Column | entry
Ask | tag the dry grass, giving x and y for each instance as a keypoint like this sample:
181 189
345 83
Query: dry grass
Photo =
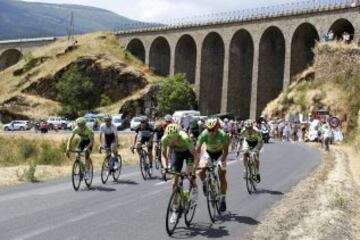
12 175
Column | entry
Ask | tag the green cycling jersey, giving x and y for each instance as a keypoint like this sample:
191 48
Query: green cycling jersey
180 142
213 144
85 133
252 137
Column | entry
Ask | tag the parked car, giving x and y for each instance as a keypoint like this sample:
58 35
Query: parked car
57 122
18 125
92 123
135 122
118 121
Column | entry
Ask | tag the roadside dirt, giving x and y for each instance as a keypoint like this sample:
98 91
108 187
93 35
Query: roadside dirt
323 206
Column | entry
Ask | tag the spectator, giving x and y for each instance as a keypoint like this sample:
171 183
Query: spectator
330 36
346 37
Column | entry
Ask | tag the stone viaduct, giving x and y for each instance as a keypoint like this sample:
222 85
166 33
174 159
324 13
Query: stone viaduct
239 65
12 50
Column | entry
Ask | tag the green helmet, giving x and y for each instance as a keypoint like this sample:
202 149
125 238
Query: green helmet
212 123
81 122
248 123
172 129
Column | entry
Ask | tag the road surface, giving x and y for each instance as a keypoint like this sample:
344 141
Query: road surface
135 209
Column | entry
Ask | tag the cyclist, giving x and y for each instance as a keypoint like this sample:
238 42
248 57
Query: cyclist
181 143
251 140
217 146
108 135
144 134
195 129
86 143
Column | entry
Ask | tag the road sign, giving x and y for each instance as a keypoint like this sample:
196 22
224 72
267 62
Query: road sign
334 122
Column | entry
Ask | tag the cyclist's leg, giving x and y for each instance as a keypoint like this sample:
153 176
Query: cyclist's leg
150 152
177 167
138 147
190 165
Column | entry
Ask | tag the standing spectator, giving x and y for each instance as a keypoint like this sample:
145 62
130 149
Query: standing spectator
330 36
346 37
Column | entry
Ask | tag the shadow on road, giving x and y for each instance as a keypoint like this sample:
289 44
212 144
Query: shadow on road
240 219
102 189
126 182
266 191
201 229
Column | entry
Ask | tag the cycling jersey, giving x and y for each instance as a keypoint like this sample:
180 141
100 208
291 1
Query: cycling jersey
181 144
109 133
251 138
145 133
213 144
85 133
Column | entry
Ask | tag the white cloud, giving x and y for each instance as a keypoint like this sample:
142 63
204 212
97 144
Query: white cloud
155 10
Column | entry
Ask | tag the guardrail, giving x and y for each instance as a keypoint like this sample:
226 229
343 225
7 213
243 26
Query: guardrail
288 9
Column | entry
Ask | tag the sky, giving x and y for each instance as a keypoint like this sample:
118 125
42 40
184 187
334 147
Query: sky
162 10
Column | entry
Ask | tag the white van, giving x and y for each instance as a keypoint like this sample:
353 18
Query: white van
180 114
118 121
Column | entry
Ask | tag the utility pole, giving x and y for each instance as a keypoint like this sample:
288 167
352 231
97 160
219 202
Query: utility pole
71 28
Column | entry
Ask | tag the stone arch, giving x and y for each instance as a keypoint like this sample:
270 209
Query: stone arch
240 74
302 44
185 57
160 56
211 73
340 26
271 67
9 57
136 48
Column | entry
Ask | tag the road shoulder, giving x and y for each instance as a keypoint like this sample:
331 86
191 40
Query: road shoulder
321 206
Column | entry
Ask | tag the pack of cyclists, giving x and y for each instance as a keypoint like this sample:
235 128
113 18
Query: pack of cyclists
198 146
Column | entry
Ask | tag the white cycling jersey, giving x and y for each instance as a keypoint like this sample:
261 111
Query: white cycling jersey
108 130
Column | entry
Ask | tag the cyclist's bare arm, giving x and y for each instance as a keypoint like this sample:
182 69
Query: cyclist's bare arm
165 159
197 152
116 138
225 152
135 140
101 137
69 141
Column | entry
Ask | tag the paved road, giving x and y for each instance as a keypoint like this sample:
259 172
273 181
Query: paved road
135 209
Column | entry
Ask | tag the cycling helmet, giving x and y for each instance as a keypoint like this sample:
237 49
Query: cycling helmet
172 129
248 123
212 123
144 120
107 118
81 122
168 118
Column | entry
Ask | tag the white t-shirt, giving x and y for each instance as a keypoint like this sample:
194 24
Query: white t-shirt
108 130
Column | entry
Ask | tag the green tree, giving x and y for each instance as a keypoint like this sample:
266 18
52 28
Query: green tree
76 93
175 94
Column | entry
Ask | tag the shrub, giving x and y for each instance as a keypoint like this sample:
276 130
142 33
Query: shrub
27 149
76 93
104 100
29 173
50 155
175 94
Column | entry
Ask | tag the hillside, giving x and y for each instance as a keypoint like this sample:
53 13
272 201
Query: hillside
332 83
28 89
20 19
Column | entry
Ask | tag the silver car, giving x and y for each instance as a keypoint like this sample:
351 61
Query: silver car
20 125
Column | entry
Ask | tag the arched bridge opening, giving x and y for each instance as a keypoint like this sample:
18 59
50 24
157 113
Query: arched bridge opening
271 67
136 48
340 26
302 44
9 58
185 57
240 74
211 74
160 56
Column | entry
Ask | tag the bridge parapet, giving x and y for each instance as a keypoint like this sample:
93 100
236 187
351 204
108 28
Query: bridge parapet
245 15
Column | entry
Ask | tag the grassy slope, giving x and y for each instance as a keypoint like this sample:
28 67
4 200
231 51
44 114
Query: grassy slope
334 85
89 45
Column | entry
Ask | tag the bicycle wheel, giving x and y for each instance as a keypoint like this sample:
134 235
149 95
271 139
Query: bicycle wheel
105 170
143 166
249 179
174 206
158 159
190 208
116 173
76 175
212 199
91 173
